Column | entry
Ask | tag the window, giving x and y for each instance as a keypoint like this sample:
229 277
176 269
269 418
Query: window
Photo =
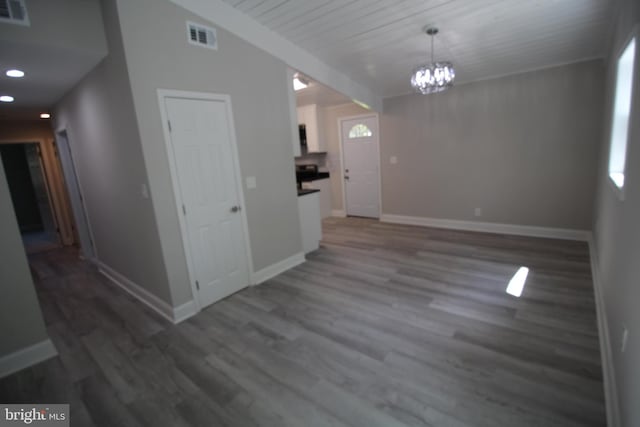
621 115
360 131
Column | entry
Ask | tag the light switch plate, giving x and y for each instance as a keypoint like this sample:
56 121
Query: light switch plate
393 160
251 182
144 190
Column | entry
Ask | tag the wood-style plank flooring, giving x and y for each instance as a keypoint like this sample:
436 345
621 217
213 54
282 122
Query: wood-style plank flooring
384 325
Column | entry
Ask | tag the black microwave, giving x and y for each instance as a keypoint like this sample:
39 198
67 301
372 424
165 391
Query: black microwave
303 135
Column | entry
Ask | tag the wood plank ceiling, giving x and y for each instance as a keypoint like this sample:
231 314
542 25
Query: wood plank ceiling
379 42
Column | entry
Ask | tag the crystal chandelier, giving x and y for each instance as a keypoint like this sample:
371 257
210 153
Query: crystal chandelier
434 77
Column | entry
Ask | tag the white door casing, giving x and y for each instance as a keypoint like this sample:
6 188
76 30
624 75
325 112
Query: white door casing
74 190
361 166
205 173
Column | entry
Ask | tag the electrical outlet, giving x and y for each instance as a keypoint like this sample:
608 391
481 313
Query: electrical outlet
393 160
625 338
477 211
144 190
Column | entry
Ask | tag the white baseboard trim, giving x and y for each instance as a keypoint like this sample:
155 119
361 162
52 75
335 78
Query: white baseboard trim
185 311
277 268
144 296
489 227
608 373
27 357
174 315
340 213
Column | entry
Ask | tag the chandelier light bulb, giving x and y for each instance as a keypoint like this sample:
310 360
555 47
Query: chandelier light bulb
434 77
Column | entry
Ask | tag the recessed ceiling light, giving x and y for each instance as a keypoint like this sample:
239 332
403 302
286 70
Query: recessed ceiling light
6 98
15 73
45 115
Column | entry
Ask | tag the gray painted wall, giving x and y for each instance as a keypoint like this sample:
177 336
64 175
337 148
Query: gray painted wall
617 232
58 25
63 42
523 148
158 56
100 120
21 323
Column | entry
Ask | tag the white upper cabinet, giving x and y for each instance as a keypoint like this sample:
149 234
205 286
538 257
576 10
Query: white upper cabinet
311 117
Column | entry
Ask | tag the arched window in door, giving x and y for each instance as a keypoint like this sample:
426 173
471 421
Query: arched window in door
360 131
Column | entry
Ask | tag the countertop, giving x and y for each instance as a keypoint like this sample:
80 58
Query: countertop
319 175
305 191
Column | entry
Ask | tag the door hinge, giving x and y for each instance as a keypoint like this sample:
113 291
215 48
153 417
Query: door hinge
169 123
184 210
197 285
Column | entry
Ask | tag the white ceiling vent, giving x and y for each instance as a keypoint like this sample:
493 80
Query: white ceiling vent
200 35
14 11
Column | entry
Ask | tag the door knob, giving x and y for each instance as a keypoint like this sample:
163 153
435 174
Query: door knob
235 209
346 177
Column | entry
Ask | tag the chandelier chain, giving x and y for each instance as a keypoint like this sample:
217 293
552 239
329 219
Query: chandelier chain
432 37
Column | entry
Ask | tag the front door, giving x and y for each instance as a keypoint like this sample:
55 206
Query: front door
361 166
204 154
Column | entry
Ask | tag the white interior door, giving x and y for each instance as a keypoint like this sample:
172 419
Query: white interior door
205 170
361 166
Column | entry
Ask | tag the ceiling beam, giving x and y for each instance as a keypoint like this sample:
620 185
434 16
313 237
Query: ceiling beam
243 26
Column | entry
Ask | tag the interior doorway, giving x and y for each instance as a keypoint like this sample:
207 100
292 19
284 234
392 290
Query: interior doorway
76 200
31 195
361 165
